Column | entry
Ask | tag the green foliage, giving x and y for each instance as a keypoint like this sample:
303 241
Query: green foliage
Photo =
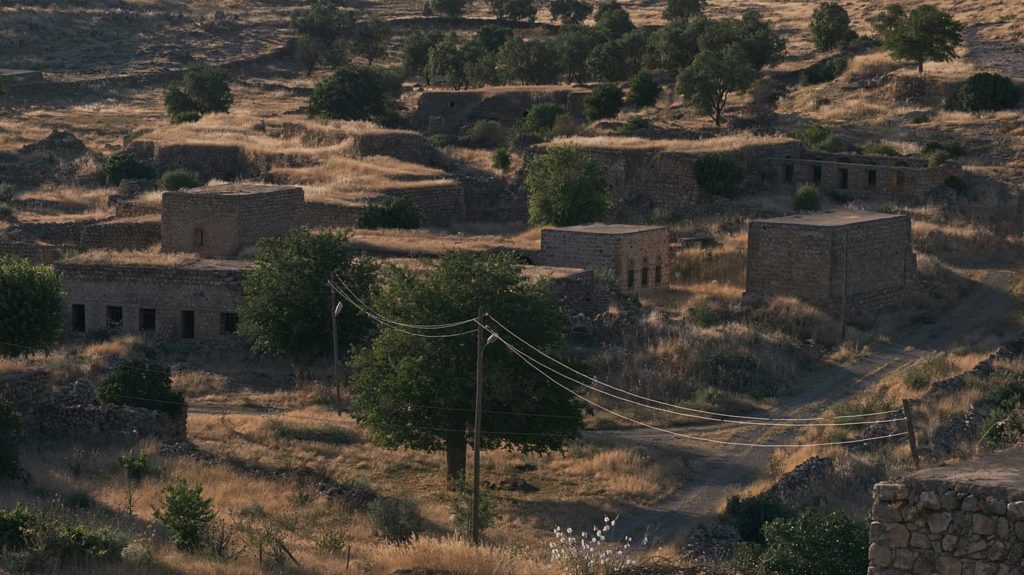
824 71
515 10
501 160
674 46
608 62
447 59
488 134
570 11
612 20
30 305
925 34
18 527
987 91
10 427
816 136
187 514
450 8
718 175
879 149
566 187
287 306
395 519
399 381
807 198
603 101
953 148
938 158
1003 428
830 26
528 62
811 543
461 508
141 383
4 86
958 184
635 124
124 166
643 90
178 179
395 213
749 515
491 37
135 464
1006 394
574 45
540 120
370 39
323 31
684 9
203 90
712 77
416 53
6 192
357 93
759 45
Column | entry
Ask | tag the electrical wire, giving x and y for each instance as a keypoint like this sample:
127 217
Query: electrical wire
350 295
408 328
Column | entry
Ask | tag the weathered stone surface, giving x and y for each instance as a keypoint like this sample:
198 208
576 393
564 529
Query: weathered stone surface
939 522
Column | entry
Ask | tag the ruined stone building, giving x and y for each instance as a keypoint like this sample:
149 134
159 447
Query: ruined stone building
963 519
450 111
635 257
859 260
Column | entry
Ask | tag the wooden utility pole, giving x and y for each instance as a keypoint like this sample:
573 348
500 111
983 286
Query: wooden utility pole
334 338
911 436
481 343
846 281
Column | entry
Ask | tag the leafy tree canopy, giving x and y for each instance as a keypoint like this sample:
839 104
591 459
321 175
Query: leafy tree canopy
515 10
419 393
684 9
574 45
416 53
145 384
714 75
30 305
925 34
357 93
202 90
370 39
812 543
643 90
567 187
830 26
674 45
450 8
528 62
570 11
446 59
612 20
760 44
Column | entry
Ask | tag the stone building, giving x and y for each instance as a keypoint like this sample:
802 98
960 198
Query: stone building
221 221
635 257
220 161
857 259
963 519
452 111
157 298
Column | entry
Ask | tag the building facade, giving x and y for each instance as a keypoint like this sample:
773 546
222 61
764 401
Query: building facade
635 257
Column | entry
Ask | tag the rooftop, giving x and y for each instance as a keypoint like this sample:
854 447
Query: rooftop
238 189
1002 470
152 259
832 219
608 229
728 143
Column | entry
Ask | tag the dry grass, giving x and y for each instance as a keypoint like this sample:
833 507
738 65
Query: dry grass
869 66
707 145
198 383
616 473
76 197
454 556
152 258
426 243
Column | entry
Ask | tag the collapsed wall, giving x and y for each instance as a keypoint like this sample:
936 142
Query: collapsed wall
211 161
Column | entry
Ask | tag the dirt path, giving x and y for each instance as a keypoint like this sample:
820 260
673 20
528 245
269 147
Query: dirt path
717 472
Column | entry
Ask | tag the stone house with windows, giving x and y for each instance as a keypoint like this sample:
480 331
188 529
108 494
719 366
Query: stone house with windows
635 257
863 176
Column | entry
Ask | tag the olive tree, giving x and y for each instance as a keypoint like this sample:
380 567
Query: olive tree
30 305
566 187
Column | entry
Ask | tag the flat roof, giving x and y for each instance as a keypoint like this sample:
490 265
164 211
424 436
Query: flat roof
834 218
154 260
238 189
608 229
1004 470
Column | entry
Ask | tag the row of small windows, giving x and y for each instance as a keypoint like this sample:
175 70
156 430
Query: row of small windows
147 320
644 276
844 177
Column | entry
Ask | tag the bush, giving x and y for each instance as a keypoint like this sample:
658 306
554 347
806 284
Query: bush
635 124
807 198
824 71
958 184
185 117
1003 428
77 543
462 512
603 101
814 136
135 464
17 526
396 213
144 384
30 307
501 160
540 120
718 175
124 166
830 26
178 179
566 187
938 158
751 514
10 427
395 519
187 514
880 150
6 192
985 92
357 93
812 543
643 90
203 90
953 148
485 134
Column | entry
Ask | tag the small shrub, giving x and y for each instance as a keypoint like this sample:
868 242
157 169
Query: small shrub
1007 394
485 134
10 427
395 519
185 117
643 90
880 149
814 136
635 124
135 464
6 212
807 198
603 101
187 514
953 148
566 187
17 527
825 71
750 514
390 212
988 92
540 120
939 158
834 145
812 543
462 512
142 384
6 192
718 175
1003 428
179 179
501 160
124 166
77 500
920 118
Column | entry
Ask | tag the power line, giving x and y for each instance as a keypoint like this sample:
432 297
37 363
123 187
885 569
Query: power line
403 327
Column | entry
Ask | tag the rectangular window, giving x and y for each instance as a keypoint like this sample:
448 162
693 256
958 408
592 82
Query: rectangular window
901 179
188 325
643 277
787 176
630 278
816 176
147 319
228 323
844 178
657 275
78 317
872 179
115 315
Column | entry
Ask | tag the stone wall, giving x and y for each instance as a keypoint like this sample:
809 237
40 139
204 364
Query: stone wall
635 259
451 112
966 519
223 162
439 206
578 289
31 251
867 177
870 264
138 233
210 289
326 215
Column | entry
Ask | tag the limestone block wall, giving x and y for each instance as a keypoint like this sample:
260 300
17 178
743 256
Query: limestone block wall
223 162
578 290
626 258
207 289
325 215
33 252
452 111
138 233
946 527
439 206
868 177
130 209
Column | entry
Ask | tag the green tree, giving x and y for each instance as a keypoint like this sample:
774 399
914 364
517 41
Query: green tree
480 65
515 10
202 90
986 91
419 393
570 11
534 62
684 9
718 175
603 101
492 38
807 198
830 26
416 53
674 45
123 166
608 62
322 31
760 44
574 45
501 159
707 83
30 305
396 213
811 543
612 21
370 39
450 8
286 310
925 34
357 93
10 429
567 187
446 59
643 90
187 514
141 383
540 120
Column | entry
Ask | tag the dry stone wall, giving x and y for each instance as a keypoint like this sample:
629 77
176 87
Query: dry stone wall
223 162
579 289
139 233
452 111
867 177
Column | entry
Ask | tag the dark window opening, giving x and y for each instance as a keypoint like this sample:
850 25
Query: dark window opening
451 104
228 323
115 315
872 178
643 277
901 178
78 317
788 175
657 274
630 278
188 324
817 174
197 238
147 319
844 178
